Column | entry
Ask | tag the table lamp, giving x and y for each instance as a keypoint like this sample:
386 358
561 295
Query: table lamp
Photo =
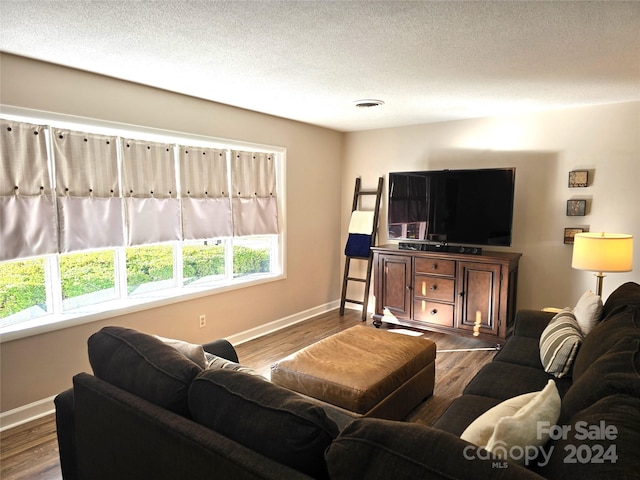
602 252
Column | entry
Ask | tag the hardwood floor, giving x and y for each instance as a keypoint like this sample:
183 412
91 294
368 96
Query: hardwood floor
30 451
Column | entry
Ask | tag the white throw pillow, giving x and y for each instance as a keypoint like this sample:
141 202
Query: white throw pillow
514 423
193 352
481 430
588 311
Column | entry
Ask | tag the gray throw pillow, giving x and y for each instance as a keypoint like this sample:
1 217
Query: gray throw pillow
192 351
559 343
214 361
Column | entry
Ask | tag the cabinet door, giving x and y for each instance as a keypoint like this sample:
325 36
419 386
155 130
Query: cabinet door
395 287
479 291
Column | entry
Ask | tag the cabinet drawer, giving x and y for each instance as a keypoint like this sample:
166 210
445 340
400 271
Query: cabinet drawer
433 312
434 288
435 266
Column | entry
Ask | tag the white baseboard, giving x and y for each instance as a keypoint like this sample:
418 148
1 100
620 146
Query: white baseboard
281 323
35 410
26 413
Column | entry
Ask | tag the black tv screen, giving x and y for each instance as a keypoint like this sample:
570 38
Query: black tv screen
468 207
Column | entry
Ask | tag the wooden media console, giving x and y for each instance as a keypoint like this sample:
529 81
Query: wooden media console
473 295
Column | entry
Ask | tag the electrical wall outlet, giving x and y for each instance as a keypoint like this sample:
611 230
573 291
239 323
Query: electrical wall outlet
203 321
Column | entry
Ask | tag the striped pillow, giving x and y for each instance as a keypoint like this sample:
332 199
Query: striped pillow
559 343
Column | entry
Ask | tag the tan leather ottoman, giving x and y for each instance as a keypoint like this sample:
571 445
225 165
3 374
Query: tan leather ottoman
369 372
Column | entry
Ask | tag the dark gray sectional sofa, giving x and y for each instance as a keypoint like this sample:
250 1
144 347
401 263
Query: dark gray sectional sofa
149 412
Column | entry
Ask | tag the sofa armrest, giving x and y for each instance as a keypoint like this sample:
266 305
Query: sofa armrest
531 323
221 348
378 449
66 432
122 436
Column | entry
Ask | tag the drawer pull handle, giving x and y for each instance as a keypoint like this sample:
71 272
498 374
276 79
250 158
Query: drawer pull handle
434 287
434 266
434 311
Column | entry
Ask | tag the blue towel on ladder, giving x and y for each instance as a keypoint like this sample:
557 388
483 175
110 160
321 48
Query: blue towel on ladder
360 233
358 245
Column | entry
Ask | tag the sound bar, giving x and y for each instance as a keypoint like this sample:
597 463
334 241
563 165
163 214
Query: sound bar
438 247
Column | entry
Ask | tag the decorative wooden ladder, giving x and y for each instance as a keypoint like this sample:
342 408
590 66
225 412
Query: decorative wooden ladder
358 193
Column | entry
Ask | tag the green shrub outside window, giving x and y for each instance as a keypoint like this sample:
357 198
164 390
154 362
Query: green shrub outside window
202 262
88 278
247 261
22 286
149 265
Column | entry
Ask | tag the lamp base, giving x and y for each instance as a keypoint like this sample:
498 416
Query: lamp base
599 278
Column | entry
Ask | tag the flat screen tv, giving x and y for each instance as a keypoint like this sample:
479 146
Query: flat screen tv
466 207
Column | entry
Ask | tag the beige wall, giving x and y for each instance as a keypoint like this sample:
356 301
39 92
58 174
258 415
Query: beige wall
40 366
321 168
543 147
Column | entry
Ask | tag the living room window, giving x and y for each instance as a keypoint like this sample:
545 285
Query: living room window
98 217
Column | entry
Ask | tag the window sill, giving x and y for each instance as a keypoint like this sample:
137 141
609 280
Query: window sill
115 308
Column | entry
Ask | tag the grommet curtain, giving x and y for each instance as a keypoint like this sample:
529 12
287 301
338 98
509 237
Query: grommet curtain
87 190
27 213
150 191
206 203
253 183
63 190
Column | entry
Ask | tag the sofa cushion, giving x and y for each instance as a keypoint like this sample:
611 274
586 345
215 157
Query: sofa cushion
375 449
559 343
623 322
142 365
269 419
625 294
601 442
531 323
521 351
462 411
502 380
617 371
514 422
588 311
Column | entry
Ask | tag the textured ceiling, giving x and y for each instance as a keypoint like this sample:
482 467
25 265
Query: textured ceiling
429 61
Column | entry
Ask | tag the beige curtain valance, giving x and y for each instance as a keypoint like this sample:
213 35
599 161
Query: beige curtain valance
86 164
63 190
24 166
253 184
148 169
27 213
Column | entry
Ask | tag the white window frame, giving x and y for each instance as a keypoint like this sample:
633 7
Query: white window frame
125 304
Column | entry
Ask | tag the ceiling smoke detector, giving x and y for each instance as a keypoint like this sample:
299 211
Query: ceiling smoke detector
368 103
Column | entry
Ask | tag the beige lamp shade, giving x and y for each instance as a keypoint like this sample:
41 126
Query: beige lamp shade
603 252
